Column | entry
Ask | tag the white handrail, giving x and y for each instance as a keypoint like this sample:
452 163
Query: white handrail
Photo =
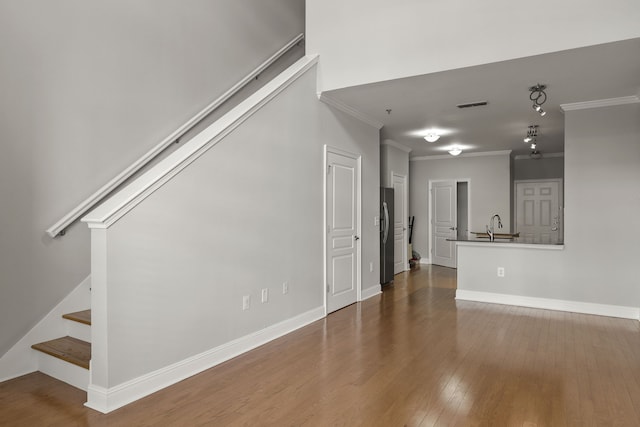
59 227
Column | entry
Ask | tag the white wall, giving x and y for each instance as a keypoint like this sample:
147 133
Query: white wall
602 226
376 40
489 184
392 160
246 215
87 87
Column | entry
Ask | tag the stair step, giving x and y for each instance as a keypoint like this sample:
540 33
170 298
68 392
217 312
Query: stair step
79 316
69 349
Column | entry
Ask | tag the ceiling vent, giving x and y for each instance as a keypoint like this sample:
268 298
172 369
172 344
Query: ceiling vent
472 104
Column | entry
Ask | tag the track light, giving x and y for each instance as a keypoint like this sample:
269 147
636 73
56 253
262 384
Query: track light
539 109
539 97
533 146
532 133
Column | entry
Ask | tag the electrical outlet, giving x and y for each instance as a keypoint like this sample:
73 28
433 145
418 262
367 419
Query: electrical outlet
265 295
500 271
376 220
371 267
246 302
285 288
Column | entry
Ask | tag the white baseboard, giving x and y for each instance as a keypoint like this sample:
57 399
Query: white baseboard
425 260
106 400
551 304
370 292
21 358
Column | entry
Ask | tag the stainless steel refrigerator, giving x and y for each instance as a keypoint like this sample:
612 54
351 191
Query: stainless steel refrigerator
386 235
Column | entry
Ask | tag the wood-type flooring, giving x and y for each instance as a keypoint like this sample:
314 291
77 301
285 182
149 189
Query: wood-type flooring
413 356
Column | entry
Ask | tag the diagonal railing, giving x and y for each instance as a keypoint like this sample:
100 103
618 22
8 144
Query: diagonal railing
58 229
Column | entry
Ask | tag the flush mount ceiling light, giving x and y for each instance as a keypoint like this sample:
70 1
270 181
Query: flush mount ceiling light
455 151
539 97
432 137
532 133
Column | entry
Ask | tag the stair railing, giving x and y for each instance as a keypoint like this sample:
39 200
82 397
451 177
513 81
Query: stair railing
59 228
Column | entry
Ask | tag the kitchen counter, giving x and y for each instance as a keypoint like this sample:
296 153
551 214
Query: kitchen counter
516 242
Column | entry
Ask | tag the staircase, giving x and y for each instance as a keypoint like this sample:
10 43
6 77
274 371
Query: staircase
67 358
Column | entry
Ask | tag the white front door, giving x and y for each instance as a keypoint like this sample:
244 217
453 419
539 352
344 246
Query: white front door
342 217
443 226
539 211
399 223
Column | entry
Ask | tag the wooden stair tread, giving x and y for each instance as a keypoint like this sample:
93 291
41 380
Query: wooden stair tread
79 316
69 349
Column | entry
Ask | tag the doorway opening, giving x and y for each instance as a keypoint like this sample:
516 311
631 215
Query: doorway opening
449 218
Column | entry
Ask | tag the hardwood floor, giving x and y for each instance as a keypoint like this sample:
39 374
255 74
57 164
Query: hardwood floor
412 356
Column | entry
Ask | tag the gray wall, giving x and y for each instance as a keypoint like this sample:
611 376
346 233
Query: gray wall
545 168
87 87
395 160
602 225
246 215
489 184
602 177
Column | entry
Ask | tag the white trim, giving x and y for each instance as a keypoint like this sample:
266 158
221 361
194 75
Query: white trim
392 143
114 208
551 304
106 400
544 156
424 260
371 292
447 156
623 100
106 189
21 359
349 110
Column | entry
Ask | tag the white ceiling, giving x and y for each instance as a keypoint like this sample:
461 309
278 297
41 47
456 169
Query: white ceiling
429 101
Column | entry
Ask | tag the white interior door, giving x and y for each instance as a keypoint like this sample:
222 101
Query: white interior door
539 211
342 217
399 223
443 223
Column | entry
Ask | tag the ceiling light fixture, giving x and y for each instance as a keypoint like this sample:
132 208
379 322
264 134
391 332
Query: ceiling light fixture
535 155
533 146
539 97
455 151
532 133
432 137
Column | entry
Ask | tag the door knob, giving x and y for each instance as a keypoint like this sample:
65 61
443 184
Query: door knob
356 238
452 228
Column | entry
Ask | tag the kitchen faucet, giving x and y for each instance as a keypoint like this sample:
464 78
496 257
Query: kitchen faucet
490 231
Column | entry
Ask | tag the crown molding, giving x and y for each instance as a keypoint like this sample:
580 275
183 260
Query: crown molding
623 100
392 143
349 110
448 156
544 156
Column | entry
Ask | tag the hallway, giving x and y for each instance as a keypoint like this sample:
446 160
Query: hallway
412 356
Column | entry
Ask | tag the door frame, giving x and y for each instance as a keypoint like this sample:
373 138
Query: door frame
358 158
430 213
559 181
405 226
